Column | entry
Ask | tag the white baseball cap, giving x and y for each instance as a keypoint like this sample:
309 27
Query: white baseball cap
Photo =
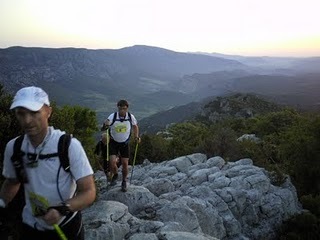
32 98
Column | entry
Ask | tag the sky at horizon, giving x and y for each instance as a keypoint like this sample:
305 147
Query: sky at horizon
241 27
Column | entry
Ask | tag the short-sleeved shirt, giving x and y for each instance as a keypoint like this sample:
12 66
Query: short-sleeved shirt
47 176
120 130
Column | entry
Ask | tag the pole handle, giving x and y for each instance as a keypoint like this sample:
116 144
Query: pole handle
60 232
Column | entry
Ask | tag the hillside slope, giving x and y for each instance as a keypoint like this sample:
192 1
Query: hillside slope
211 109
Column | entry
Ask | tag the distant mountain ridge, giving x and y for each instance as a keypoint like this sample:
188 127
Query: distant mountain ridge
98 78
297 65
154 79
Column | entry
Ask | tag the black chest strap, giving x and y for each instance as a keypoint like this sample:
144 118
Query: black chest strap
18 154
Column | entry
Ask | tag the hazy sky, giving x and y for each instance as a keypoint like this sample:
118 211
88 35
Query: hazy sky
245 27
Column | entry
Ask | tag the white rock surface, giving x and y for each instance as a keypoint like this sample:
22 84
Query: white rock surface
192 198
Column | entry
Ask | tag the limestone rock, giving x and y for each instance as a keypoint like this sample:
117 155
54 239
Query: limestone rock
192 197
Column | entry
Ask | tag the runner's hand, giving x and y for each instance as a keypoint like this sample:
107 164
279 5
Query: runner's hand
53 216
137 139
104 127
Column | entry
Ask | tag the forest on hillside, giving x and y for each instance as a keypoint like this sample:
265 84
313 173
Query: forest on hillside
288 145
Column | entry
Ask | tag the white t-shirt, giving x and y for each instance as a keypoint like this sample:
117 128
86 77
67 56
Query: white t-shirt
120 130
41 189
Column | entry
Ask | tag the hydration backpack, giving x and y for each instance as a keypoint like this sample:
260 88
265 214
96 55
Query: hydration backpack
121 120
17 156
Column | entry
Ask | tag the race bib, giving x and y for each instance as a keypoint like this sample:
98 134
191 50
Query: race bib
121 128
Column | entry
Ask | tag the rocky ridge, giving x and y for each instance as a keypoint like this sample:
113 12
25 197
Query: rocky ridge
189 198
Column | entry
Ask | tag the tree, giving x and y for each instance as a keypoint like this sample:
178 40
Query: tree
79 121
8 123
275 122
186 138
145 149
222 142
63 117
300 148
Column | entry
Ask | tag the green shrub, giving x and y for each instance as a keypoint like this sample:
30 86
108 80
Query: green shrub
312 203
305 226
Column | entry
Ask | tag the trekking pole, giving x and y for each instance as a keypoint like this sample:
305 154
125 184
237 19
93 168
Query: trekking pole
134 160
108 158
108 139
60 232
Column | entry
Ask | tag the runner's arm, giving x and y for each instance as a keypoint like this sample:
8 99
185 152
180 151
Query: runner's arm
135 131
9 189
86 194
105 125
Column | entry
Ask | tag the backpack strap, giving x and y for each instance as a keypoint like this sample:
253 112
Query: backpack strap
17 160
113 119
130 119
63 151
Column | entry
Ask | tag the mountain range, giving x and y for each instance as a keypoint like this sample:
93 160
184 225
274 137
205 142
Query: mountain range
154 79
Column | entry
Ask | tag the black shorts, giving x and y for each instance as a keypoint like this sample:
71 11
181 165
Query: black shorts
121 149
73 230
